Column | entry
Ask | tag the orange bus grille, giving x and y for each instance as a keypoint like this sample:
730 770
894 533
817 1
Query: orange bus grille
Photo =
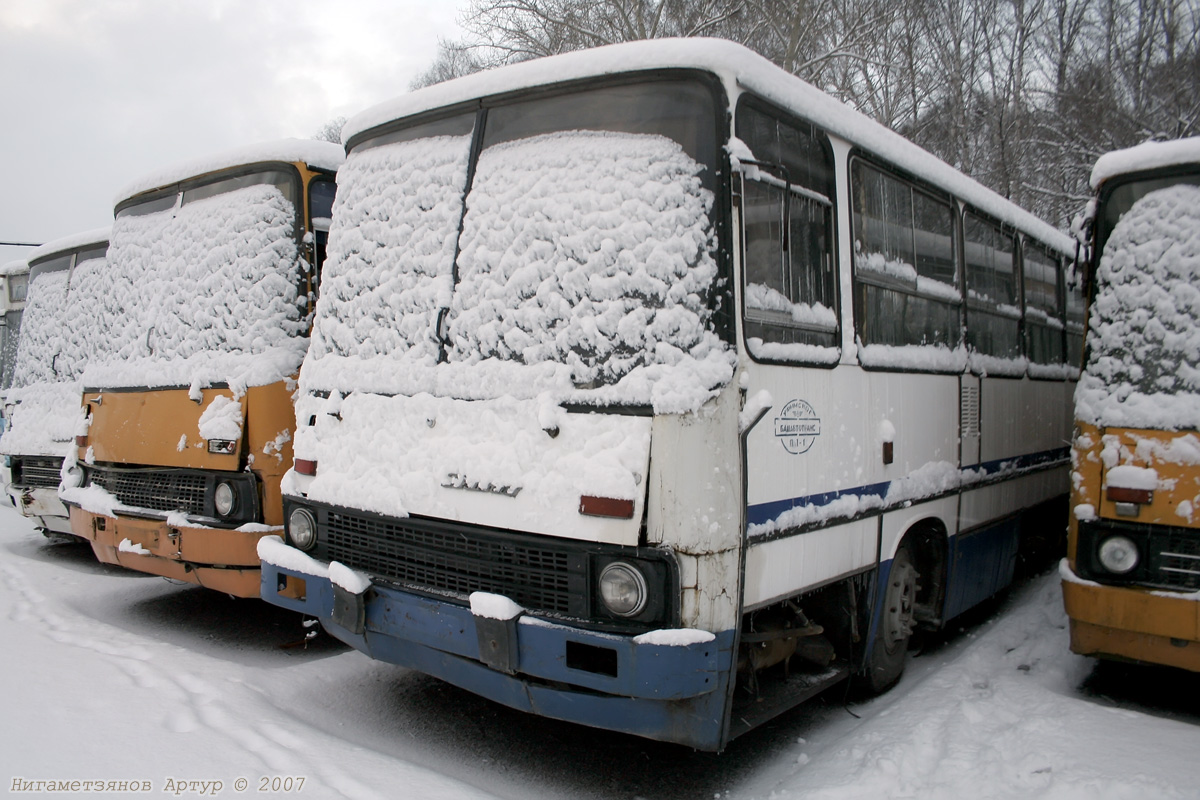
154 490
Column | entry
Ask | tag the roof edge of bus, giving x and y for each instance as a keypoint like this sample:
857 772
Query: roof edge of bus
315 153
739 68
75 240
1145 156
17 265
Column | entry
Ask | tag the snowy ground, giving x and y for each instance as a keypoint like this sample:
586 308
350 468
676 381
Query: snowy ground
114 676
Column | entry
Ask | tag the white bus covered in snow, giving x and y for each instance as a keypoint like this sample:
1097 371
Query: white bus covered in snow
14 283
42 404
653 389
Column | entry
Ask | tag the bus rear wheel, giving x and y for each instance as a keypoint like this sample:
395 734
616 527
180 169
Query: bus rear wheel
889 650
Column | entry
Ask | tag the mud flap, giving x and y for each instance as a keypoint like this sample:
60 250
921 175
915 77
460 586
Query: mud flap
498 643
349 610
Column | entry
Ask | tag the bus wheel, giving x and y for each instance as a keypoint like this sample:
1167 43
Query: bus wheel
896 622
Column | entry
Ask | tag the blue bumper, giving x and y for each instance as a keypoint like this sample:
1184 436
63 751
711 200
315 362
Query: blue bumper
669 692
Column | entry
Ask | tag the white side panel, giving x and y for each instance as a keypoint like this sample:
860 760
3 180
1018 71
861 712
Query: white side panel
987 503
694 505
897 523
1044 411
849 412
777 569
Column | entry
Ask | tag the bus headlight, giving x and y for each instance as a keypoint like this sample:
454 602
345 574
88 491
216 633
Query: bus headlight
1118 554
224 498
623 589
302 528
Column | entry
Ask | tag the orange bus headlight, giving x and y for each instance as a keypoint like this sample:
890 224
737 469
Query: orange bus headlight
1118 554
224 499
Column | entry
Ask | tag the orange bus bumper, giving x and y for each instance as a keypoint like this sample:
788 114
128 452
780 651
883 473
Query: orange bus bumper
1133 624
215 558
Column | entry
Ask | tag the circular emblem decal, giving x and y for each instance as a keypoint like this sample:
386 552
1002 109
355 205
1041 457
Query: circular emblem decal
797 427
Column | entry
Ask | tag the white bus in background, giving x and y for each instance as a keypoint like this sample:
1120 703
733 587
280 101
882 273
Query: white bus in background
652 389
14 282
42 403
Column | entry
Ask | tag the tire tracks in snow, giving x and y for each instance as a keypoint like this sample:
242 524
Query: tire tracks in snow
189 702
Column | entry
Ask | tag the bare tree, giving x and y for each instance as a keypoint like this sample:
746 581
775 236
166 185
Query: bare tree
453 60
1023 95
331 131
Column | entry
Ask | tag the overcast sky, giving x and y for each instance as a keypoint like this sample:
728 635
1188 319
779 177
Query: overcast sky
96 93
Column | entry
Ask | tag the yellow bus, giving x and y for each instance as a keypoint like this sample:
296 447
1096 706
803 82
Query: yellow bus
187 419
1131 582
42 400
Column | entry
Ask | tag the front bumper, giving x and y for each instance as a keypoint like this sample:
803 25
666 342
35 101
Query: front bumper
41 505
670 692
1134 624
216 558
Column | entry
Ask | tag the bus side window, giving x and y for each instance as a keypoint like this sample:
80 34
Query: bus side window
790 288
320 210
905 268
1044 305
993 302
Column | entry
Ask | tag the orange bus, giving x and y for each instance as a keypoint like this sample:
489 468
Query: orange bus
187 417
1131 582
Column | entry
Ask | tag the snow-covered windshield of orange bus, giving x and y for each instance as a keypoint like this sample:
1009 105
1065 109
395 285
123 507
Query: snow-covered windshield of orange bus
204 291
581 262
1143 337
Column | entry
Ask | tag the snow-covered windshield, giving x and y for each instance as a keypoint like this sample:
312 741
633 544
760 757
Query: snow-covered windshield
1143 337
204 287
580 262
40 352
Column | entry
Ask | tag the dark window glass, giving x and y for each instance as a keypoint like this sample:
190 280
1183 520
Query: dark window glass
790 283
284 181
1075 323
905 264
163 203
680 110
1043 305
320 210
993 305
56 264
460 125
91 254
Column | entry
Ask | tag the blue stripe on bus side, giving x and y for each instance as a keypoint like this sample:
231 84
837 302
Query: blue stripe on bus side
765 512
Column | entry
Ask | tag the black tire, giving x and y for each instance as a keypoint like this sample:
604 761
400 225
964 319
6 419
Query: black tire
889 648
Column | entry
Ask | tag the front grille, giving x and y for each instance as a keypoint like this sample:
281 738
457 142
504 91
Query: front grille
154 490
439 557
1175 560
1170 555
36 472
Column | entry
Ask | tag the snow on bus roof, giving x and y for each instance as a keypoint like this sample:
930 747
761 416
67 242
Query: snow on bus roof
322 155
63 243
1145 156
741 69
15 266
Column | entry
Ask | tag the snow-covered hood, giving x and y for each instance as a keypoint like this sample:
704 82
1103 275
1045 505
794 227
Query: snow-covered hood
508 463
